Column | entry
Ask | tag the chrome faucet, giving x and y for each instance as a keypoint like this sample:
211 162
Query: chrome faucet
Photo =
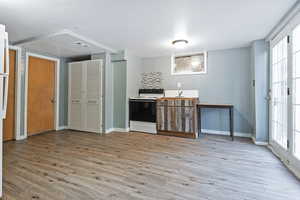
180 93
179 89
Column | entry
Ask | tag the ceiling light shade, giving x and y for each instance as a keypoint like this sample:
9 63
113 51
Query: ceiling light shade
180 44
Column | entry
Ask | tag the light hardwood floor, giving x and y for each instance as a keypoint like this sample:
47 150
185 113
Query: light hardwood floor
70 165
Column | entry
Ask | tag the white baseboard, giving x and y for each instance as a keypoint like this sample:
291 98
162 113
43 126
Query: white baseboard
21 137
62 128
110 130
123 130
259 143
215 132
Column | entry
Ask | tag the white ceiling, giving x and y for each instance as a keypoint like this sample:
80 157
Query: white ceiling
147 27
64 44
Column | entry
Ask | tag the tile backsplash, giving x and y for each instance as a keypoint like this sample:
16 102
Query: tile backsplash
151 80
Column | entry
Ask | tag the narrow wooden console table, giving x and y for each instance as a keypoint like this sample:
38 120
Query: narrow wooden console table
220 106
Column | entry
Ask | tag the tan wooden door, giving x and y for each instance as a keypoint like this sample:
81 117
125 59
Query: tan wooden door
40 108
9 122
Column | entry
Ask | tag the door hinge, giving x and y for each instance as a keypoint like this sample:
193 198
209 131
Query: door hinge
288 39
288 92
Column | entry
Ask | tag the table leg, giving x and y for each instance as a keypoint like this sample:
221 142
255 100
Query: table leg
231 120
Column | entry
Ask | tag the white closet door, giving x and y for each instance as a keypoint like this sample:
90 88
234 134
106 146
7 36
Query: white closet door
94 96
75 96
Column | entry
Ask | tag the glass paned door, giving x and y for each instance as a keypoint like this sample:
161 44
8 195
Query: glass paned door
296 91
279 87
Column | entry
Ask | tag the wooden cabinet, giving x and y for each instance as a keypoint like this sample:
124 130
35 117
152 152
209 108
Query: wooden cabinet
85 96
177 117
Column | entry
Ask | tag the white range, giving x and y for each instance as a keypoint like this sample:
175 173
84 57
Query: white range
142 110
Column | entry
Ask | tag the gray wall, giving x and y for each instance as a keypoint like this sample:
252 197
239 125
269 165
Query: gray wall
259 61
63 92
134 70
131 74
119 94
252 90
23 68
227 81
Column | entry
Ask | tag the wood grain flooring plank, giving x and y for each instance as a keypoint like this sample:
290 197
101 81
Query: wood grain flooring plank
69 165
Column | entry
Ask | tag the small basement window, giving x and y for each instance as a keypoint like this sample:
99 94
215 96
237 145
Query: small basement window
189 64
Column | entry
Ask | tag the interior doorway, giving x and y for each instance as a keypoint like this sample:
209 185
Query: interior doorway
41 112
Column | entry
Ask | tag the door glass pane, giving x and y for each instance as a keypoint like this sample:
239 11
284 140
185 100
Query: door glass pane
274 52
297 63
296 91
297 146
279 93
296 39
297 118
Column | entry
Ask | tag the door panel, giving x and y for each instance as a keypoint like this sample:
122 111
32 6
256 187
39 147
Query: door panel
93 96
85 96
279 98
76 71
93 82
285 99
296 92
8 123
76 93
93 117
75 116
41 77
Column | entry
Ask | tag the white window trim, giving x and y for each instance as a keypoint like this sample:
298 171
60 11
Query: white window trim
57 74
188 73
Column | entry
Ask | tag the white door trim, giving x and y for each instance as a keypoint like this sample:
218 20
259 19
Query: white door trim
57 72
17 124
286 155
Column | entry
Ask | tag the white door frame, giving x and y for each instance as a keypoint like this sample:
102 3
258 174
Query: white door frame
275 41
57 71
17 124
285 155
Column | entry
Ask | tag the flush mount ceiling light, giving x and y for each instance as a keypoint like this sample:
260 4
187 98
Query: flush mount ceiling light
180 44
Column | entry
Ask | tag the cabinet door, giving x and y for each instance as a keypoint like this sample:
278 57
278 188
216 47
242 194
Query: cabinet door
93 96
176 118
75 96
